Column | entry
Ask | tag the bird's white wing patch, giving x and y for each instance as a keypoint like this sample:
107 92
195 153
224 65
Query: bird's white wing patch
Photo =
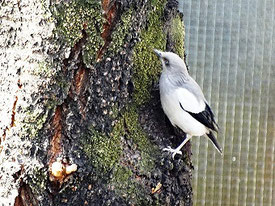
189 102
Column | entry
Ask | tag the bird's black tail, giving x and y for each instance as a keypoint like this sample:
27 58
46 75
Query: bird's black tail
214 141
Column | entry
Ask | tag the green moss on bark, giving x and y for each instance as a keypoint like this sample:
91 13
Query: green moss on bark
121 31
125 185
74 17
134 131
38 180
177 32
146 66
33 122
104 151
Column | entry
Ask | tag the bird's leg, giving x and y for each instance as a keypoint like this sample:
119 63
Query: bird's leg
177 150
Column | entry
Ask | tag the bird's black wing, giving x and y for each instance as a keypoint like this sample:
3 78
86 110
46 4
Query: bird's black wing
206 117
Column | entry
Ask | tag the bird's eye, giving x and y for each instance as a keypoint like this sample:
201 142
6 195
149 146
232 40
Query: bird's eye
166 61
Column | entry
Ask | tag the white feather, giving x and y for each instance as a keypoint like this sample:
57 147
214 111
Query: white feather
189 102
179 117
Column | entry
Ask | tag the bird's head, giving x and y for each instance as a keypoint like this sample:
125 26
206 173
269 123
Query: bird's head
171 62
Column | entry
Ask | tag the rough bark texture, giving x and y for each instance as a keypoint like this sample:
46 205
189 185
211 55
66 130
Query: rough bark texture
79 87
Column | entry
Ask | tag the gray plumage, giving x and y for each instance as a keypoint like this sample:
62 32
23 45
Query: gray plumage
183 101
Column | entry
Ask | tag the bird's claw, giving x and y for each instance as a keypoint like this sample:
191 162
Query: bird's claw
173 151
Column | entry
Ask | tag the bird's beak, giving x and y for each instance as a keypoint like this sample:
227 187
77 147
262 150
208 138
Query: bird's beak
158 53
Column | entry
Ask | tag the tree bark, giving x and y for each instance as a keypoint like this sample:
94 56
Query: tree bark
81 120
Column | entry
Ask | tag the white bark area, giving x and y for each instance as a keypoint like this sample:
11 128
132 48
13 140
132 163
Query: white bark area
25 30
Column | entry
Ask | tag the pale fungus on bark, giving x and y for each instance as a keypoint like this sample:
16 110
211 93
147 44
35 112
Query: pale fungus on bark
57 169
71 168
60 170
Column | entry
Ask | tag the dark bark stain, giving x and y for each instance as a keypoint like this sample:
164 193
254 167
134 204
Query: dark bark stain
110 12
25 196
19 84
3 138
75 52
56 139
13 112
110 9
12 116
79 88
80 75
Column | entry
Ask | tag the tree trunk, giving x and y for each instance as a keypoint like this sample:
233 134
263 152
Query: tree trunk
81 120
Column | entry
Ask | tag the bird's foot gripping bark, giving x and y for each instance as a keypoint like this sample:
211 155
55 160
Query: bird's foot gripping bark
173 151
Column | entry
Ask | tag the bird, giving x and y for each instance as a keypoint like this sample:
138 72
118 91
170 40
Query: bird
183 102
